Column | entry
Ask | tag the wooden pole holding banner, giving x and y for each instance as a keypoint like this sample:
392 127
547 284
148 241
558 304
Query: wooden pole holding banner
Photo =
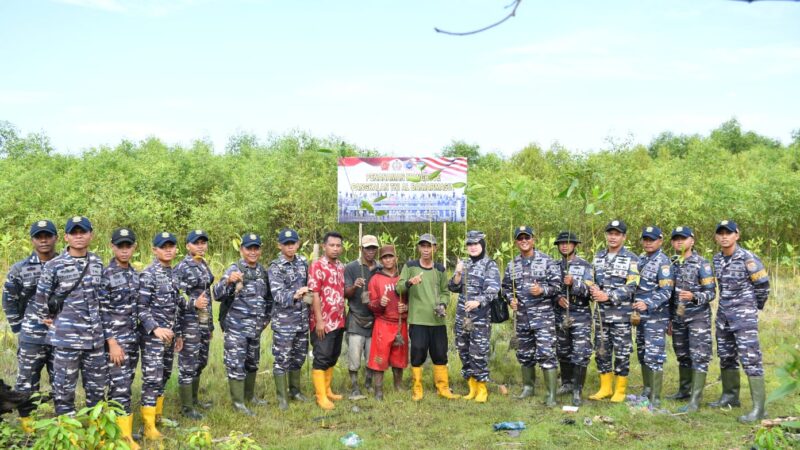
360 234
444 244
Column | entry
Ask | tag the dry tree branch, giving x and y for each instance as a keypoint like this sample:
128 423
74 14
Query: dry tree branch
514 5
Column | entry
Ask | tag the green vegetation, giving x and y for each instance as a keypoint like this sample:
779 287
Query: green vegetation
287 181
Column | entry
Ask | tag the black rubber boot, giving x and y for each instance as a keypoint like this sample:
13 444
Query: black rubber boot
684 385
237 397
647 381
698 384
656 382
281 391
368 379
397 375
730 390
250 390
566 378
578 379
378 379
355 391
294 387
187 402
528 378
759 395
550 381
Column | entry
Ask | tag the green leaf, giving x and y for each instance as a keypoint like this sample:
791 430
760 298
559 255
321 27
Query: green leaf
783 391
327 151
414 178
381 213
433 175
589 208
382 197
367 205
459 185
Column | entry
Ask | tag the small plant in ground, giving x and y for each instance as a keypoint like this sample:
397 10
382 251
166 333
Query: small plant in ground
239 441
197 437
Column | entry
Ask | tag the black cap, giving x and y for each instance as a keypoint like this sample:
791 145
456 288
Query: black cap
617 225
567 236
288 235
727 225
195 235
523 229
121 235
652 232
43 226
78 221
251 240
162 238
682 232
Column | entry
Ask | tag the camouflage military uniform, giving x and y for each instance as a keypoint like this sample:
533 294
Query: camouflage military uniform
246 319
119 295
33 351
482 278
77 335
743 290
574 344
535 315
158 306
691 333
289 316
617 275
193 278
654 289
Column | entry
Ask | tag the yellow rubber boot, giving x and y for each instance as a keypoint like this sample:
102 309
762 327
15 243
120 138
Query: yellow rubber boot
149 420
416 383
26 423
125 424
328 380
619 392
320 381
482 395
606 379
473 389
159 408
442 382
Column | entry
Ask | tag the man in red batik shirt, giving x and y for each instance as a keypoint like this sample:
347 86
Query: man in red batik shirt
326 281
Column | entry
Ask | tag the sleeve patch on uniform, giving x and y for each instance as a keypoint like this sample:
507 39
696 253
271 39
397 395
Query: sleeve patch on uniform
707 281
663 283
665 271
751 265
759 275
633 279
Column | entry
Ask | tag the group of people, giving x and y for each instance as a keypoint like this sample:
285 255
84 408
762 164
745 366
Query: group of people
76 315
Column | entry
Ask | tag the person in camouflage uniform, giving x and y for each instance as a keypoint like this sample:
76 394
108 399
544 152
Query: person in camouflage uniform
531 282
288 276
159 305
245 288
119 295
359 317
573 329
743 291
19 289
690 317
194 279
477 282
616 276
68 301
651 301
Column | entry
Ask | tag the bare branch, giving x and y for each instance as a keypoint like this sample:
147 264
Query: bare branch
514 5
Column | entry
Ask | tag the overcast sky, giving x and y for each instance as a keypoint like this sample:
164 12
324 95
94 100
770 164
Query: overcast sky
92 72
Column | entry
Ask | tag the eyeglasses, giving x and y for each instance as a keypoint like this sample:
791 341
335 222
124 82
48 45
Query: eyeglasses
524 237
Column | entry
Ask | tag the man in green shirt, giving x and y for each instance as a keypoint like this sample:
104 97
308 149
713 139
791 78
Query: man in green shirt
424 282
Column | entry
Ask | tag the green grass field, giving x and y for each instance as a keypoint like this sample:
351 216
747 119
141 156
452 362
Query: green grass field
437 423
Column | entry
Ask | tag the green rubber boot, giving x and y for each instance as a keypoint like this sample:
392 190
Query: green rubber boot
551 381
237 396
566 378
656 382
250 390
528 378
195 391
282 391
647 381
294 387
187 402
684 385
758 393
698 384
730 390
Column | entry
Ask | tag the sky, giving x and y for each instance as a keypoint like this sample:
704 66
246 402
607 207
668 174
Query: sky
584 75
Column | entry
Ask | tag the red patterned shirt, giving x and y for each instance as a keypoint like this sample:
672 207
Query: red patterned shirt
327 280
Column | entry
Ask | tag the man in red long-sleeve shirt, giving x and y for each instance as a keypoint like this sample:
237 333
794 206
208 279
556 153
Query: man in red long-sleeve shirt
391 313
